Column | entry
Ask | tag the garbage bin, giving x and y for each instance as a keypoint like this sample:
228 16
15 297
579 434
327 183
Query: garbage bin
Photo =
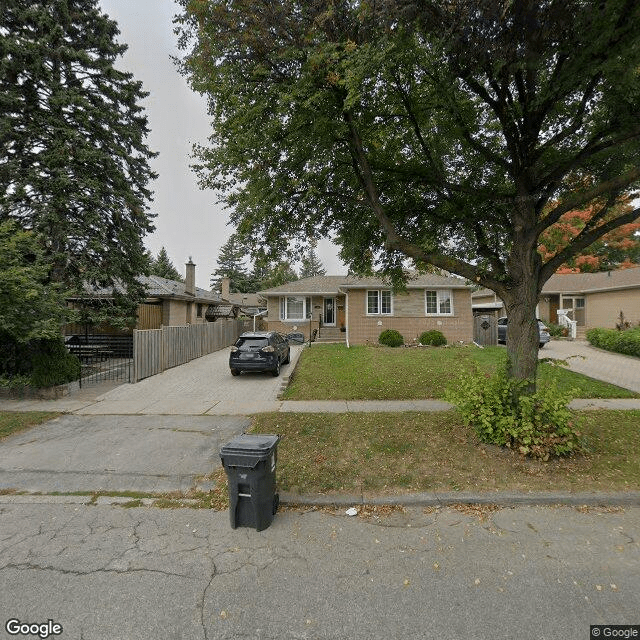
250 464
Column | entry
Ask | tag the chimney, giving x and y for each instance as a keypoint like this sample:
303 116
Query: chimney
224 286
190 281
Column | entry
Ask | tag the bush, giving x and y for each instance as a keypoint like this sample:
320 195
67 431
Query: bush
391 338
626 342
538 425
434 338
557 330
53 364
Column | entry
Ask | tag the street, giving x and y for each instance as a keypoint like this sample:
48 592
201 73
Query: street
139 573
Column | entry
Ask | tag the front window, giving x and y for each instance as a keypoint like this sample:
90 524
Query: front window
295 308
438 302
379 302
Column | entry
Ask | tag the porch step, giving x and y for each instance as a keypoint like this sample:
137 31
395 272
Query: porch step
581 333
331 334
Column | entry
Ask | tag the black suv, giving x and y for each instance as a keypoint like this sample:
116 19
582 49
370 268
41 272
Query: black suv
259 351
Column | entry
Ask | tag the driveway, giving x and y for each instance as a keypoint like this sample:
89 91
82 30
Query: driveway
200 387
581 357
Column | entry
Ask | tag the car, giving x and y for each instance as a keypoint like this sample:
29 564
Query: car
259 351
542 328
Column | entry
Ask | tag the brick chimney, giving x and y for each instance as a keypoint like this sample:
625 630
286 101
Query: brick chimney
224 286
190 280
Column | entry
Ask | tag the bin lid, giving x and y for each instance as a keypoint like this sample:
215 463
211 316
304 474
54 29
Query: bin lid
247 444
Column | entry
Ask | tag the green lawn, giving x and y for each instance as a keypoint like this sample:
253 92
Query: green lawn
405 452
333 372
13 422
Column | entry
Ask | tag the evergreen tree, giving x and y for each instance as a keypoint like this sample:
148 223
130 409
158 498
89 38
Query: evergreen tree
163 267
311 264
74 166
231 265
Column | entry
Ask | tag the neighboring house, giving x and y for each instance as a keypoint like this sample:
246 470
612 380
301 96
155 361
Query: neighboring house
168 303
359 309
251 304
591 299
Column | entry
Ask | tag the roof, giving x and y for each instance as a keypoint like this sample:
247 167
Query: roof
337 284
158 287
592 282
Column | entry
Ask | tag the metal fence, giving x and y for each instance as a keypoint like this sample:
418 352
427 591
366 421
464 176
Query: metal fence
155 350
102 356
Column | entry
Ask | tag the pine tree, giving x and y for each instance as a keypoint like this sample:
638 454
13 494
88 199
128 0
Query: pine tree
163 267
231 265
74 166
311 264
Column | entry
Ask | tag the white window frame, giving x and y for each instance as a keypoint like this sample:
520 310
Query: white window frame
379 311
283 308
440 298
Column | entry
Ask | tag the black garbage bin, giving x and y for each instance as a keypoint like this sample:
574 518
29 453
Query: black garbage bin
250 464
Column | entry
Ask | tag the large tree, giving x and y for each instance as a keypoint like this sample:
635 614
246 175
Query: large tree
311 265
435 131
231 264
74 165
163 267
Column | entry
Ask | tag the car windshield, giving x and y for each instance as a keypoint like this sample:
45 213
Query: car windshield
251 344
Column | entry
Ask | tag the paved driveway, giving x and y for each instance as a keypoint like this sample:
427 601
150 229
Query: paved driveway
200 387
581 357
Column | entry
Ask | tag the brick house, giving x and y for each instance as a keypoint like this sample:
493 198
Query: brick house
591 299
357 310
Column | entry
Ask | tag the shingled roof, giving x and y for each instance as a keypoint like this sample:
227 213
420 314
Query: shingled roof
332 285
592 282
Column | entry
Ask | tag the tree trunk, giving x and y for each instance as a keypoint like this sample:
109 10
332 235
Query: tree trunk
523 335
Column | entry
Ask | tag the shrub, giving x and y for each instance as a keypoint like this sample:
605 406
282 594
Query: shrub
626 342
538 425
391 338
53 364
557 330
434 338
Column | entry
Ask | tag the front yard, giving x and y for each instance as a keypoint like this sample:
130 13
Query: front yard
333 372
393 453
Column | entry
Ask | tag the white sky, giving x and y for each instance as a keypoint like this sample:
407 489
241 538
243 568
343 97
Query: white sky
188 222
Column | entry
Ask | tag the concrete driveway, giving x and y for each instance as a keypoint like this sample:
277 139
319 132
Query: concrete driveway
200 387
581 357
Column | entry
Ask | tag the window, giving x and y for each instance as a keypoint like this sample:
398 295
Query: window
438 302
295 308
379 302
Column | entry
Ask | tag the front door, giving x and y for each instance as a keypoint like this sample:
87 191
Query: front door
329 312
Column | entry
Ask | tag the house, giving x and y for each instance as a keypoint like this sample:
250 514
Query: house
168 303
250 304
591 299
357 310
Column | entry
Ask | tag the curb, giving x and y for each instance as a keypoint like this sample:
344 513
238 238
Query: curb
505 499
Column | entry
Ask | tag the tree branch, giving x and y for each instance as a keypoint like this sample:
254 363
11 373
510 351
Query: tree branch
585 239
617 185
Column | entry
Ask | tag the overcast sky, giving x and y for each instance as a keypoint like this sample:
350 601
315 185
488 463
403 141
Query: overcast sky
188 222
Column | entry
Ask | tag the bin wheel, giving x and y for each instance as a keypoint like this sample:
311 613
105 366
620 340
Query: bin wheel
276 503
235 372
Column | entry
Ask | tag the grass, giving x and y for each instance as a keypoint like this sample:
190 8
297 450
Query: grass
14 422
398 453
333 372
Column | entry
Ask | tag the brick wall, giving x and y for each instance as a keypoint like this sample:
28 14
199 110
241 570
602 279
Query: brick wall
409 317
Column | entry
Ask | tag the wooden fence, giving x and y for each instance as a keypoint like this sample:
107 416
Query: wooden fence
155 350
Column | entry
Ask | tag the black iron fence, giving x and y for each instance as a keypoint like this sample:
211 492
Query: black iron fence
102 356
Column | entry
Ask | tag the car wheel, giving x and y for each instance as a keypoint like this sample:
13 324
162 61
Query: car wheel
235 372
288 358
276 371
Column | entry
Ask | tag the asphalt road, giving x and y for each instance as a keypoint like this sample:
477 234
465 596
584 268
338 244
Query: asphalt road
530 573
